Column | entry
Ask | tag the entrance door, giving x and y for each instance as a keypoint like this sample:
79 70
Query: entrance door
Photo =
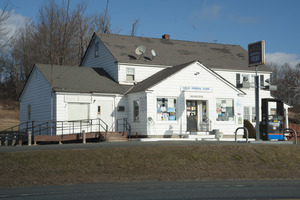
192 113
105 112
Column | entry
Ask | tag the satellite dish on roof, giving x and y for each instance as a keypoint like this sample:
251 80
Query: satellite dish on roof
140 50
153 53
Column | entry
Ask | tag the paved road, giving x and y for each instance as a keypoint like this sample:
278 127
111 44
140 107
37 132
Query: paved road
270 189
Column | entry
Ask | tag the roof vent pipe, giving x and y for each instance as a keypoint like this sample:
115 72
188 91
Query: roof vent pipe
166 36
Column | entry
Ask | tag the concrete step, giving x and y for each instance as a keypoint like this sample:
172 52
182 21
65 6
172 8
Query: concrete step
116 137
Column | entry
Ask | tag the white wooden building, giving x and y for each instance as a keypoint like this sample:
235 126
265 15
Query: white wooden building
174 88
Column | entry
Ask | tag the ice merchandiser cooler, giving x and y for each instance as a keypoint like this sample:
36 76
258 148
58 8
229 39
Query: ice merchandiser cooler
272 120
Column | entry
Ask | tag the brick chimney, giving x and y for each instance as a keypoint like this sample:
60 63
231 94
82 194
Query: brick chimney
166 36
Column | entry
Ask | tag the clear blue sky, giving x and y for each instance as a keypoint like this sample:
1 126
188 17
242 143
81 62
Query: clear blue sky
238 22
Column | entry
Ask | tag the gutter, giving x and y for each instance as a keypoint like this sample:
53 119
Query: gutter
143 65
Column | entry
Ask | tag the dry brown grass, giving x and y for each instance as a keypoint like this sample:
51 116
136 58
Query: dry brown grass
169 163
9 113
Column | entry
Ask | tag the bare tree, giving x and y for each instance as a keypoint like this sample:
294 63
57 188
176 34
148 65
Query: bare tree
135 24
287 79
22 53
101 23
59 36
4 15
294 84
4 43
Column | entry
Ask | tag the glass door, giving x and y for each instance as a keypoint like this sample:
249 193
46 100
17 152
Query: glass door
192 115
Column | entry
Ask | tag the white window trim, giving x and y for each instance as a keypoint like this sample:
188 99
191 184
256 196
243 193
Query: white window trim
133 74
234 117
176 110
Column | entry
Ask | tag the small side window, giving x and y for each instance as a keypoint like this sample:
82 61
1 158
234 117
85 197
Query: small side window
136 110
130 75
99 110
29 111
121 108
97 49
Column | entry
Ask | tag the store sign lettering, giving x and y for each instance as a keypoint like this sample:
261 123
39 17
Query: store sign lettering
256 53
196 89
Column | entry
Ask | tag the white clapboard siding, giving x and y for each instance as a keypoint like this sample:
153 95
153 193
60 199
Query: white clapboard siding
140 72
230 75
139 126
37 93
171 87
122 101
105 59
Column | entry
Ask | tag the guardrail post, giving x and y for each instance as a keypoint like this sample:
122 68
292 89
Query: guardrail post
29 138
6 141
83 137
14 140
80 126
91 126
20 140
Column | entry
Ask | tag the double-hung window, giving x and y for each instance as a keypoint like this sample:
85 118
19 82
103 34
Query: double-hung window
130 75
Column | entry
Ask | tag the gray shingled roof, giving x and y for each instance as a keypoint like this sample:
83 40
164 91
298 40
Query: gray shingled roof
157 78
80 79
175 52
165 73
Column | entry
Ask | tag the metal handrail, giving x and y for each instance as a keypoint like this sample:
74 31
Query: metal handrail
247 133
11 129
208 125
126 127
39 127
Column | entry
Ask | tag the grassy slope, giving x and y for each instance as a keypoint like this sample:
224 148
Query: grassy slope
9 113
203 162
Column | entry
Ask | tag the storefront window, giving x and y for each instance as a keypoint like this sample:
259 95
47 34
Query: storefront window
166 109
225 110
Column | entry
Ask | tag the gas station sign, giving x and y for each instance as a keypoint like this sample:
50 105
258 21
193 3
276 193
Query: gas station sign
256 53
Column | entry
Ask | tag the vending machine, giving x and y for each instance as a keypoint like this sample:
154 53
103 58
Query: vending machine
272 119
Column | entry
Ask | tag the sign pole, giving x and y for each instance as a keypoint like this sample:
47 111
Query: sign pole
256 56
257 105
